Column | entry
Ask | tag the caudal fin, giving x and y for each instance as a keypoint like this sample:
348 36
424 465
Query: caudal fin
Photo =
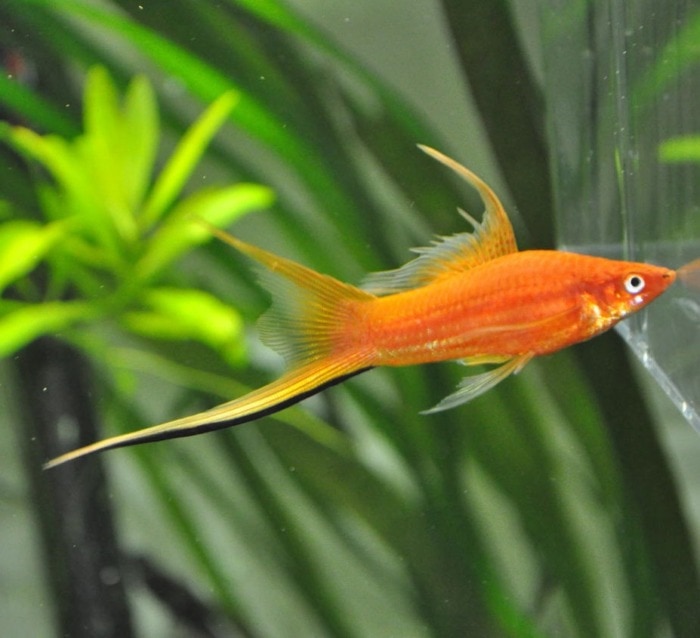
310 323
292 387
312 315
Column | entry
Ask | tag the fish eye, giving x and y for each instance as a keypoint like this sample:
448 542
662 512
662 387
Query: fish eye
634 284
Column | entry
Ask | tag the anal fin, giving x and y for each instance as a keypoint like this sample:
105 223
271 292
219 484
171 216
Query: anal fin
475 385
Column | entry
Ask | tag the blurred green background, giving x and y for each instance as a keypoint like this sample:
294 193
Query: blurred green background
564 503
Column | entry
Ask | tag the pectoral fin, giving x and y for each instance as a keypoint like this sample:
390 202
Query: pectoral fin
475 385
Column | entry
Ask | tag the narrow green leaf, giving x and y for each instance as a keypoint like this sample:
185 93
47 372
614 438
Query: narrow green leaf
24 323
30 106
105 156
199 77
402 116
6 210
182 231
302 565
141 131
100 105
52 151
185 523
122 137
186 155
680 149
202 79
22 245
677 56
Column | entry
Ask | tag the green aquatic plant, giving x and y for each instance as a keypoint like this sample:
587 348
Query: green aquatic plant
108 232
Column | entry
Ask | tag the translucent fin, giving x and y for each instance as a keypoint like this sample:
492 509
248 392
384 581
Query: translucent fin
475 385
309 309
491 238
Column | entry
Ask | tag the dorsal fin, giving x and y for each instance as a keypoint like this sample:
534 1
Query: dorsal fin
447 256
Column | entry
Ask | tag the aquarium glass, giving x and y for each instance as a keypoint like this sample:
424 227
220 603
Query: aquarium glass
623 112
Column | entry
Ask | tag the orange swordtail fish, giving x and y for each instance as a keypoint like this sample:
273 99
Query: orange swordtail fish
472 297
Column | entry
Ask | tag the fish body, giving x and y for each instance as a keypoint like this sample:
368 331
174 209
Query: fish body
531 302
471 297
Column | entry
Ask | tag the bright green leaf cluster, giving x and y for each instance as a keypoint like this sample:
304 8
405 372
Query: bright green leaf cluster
111 228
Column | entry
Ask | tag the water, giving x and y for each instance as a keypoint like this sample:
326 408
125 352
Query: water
623 98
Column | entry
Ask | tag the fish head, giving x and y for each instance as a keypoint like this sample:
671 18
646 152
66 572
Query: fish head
621 288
